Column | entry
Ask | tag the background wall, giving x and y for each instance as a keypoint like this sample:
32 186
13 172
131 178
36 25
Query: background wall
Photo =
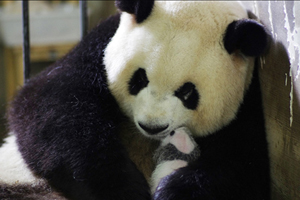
99 9
280 70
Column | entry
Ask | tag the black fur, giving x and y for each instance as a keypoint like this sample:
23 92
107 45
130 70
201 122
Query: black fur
140 8
246 35
188 95
65 120
138 81
234 161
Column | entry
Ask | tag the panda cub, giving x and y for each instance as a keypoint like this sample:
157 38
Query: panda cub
176 151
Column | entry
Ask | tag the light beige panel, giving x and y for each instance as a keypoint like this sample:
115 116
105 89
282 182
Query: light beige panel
282 111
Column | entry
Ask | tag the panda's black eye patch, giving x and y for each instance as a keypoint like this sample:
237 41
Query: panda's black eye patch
138 81
189 95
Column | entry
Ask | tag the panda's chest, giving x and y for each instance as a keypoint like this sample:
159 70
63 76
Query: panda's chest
140 148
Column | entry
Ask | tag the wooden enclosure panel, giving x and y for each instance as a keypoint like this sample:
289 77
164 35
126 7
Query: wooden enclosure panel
280 89
14 63
280 80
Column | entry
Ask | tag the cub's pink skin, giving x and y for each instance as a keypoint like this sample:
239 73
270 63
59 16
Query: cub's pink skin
181 139
176 151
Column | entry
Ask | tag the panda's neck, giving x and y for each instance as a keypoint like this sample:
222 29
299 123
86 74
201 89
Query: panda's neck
248 123
251 108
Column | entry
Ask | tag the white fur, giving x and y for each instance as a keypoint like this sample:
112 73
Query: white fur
164 169
13 169
181 41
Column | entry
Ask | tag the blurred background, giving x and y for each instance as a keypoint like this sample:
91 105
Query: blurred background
54 30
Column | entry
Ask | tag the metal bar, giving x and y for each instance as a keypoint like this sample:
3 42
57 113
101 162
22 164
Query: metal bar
83 17
26 40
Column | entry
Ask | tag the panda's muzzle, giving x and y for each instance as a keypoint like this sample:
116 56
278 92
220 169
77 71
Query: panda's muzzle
152 130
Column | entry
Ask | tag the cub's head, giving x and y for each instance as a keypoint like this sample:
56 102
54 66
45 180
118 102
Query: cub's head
173 64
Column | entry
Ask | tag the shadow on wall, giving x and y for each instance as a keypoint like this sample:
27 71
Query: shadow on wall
282 112
280 83
2 95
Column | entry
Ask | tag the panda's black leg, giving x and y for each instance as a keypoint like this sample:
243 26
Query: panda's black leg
120 180
96 167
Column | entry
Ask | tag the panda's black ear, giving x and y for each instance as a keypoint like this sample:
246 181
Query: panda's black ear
140 8
246 35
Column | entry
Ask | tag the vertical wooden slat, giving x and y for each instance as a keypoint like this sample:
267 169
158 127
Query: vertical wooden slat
26 40
83 17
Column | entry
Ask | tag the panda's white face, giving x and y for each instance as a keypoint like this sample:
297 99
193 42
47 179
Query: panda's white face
172 70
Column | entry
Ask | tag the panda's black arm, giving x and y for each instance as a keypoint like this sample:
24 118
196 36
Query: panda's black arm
221 173
66 121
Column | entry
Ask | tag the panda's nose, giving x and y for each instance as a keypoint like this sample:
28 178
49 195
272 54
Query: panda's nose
152 130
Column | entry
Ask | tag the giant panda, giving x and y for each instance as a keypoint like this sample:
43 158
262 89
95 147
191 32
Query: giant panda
89 126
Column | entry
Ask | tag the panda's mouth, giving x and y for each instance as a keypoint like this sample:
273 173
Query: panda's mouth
156 132
153 130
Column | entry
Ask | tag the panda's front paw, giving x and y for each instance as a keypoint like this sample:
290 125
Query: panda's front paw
163 170
182 184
